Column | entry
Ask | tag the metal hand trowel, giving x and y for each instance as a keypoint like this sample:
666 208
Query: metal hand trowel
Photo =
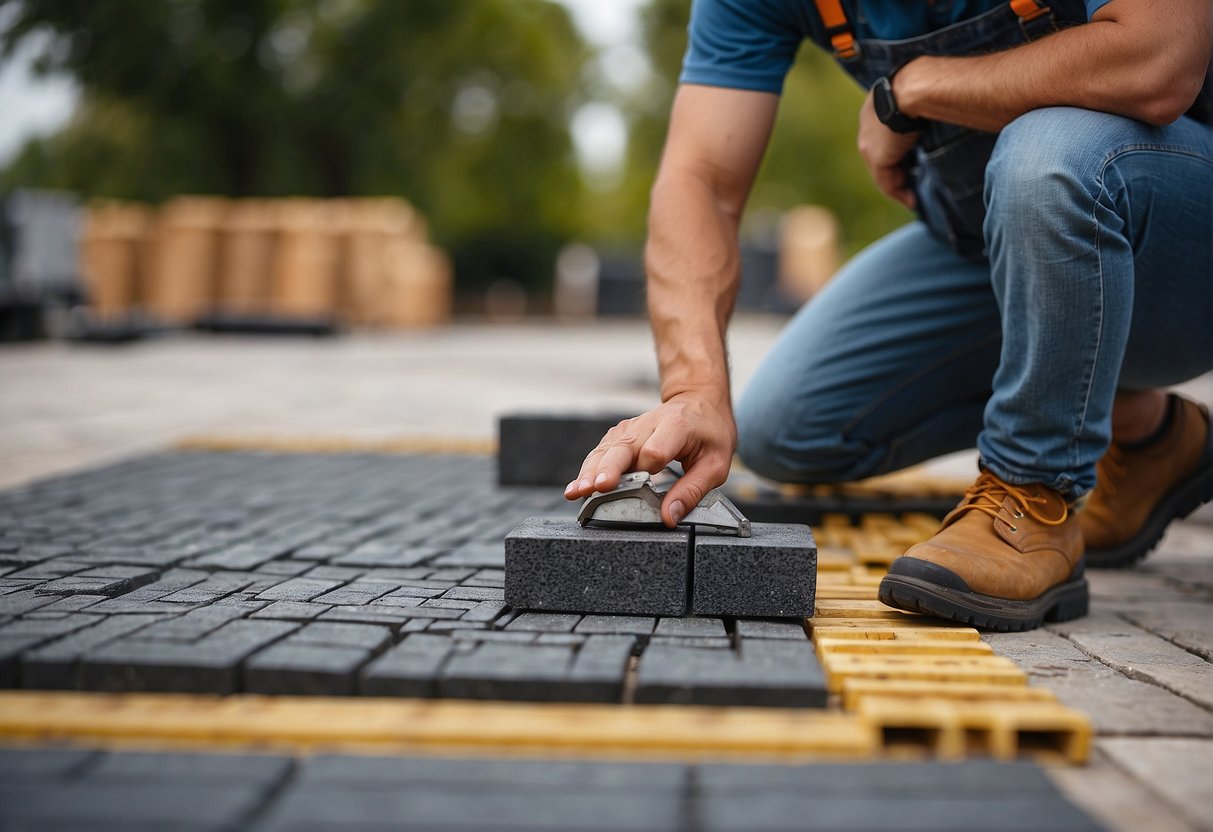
636 502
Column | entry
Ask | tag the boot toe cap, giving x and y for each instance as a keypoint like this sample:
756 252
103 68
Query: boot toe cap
925 570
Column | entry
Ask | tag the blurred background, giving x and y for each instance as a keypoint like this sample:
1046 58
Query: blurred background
363 219
317 165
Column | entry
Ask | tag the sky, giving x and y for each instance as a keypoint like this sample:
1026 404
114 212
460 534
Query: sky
32 106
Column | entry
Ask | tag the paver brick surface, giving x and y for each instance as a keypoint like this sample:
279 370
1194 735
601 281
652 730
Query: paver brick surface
355 574
56 789
772 573
556 564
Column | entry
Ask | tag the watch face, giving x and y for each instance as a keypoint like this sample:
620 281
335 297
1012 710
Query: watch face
882 100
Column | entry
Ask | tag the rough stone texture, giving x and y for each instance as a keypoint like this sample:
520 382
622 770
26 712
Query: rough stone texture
548 449
1181 769
1116 704
556 564
771 574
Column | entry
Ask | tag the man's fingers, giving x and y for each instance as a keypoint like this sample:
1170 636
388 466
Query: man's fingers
605 459
584 477
660 449
612 465
684 495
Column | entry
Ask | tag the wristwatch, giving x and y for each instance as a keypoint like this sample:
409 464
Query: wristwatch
886 108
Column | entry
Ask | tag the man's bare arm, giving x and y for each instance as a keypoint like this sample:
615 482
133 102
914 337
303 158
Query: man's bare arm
715 144
1145 59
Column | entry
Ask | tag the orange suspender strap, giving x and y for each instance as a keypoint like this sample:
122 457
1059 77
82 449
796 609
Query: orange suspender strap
1028 9
838 29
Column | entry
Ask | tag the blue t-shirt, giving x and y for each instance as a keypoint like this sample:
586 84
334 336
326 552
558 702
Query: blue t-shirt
750 44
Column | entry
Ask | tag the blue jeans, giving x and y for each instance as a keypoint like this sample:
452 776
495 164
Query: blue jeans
1100 277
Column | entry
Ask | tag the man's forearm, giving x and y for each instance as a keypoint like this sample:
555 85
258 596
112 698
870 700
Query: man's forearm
693 270
1144 60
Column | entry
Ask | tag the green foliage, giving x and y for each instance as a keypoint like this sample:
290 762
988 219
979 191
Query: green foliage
461 106
458 105
812 156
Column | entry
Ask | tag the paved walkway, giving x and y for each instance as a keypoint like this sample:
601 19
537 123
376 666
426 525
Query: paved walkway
1139 665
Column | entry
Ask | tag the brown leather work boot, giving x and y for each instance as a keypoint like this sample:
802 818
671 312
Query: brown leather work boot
1006 558
1141 489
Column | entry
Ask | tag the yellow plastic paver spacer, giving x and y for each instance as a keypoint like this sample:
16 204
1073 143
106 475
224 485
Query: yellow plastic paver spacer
394 726
855 690
994 670
1002 730
904 646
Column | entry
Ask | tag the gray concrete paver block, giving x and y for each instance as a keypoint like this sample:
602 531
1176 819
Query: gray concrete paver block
617 625
764 673
410 669
305 669
556 564
771 574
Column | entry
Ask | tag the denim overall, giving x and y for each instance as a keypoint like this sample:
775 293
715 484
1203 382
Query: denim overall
947 171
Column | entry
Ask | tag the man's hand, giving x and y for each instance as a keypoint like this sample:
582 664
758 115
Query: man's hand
692 428
884 151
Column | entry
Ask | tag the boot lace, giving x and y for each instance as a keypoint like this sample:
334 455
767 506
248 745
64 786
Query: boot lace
989 493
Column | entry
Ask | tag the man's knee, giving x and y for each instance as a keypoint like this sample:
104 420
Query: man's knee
801 452
1043 158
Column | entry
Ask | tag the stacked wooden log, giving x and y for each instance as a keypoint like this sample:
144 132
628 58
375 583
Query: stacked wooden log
356 261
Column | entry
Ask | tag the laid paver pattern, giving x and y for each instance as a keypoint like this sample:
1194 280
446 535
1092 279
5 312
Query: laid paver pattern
65 407
339 574
74 789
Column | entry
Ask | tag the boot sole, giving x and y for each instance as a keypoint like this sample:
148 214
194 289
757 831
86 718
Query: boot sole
1181 501
1063 602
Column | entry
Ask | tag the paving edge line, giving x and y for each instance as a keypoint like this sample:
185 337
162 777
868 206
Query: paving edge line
338 444
301 725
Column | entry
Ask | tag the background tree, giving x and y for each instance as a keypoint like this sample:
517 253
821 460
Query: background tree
811 159
459 105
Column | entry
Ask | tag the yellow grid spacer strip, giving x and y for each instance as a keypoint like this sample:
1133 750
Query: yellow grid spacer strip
337 445
934 689
444 727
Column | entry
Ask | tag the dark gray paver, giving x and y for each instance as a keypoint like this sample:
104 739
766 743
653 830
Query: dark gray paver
760 628
616 624
762 672
410 668
924 813
772 573
690 627
541 622
144 805
556 564
209 665
42 764
298 669
548 449
71 789
270 597
291 610
475 593
53 666
259 769
299 589
493 670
